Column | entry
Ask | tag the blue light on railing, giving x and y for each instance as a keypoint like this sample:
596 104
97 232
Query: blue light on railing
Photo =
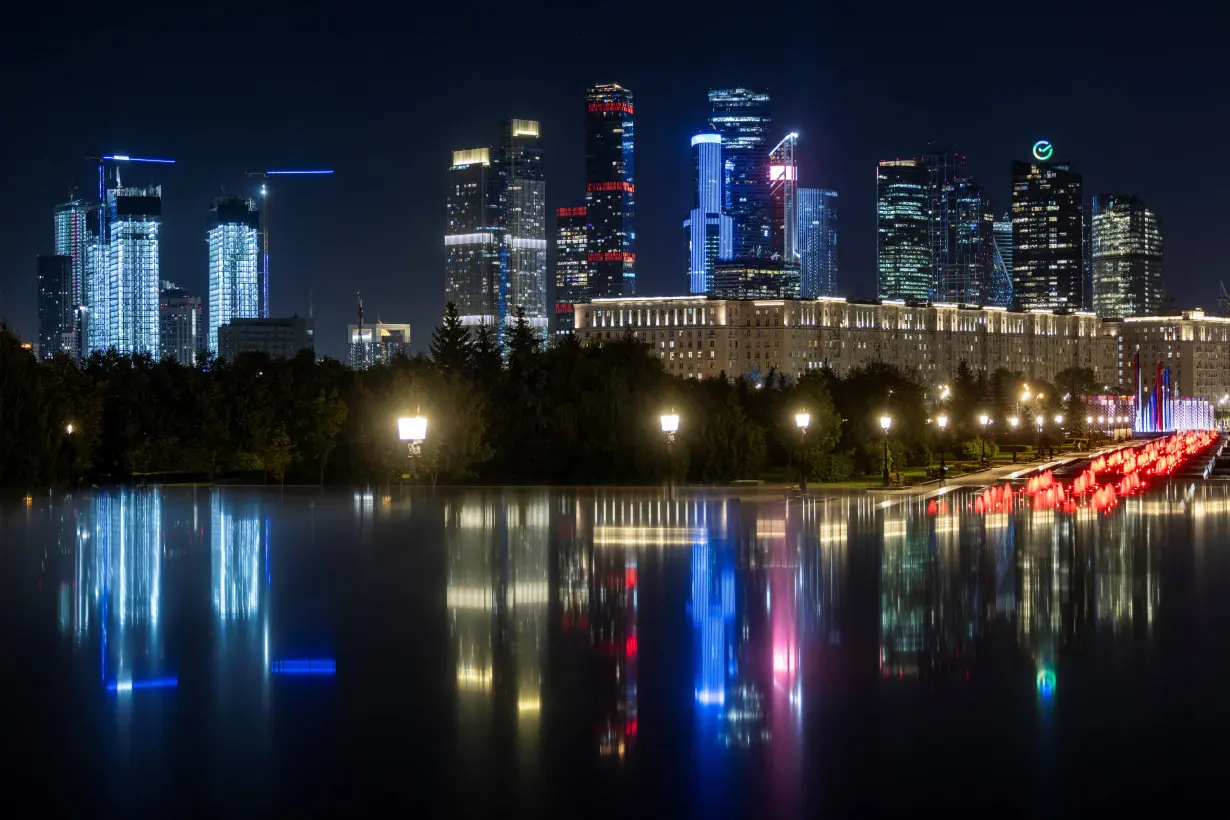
304 666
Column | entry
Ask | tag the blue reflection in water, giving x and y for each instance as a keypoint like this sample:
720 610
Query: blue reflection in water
713 610
304 666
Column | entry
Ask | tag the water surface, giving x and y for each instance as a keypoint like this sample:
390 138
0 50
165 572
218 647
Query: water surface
583 653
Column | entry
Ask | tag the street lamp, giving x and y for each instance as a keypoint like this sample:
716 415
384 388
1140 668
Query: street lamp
670 426
413 431
942 421
68 428
802 421
984 420
885 423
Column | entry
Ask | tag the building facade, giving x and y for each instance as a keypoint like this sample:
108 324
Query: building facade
817 242
783 200
376 344
181 324
73 239
1195 346
1127 257
56 311
610 191
904 255
278 338
123 271
756 278
743 118
522 200
1048 251
701 338
473 242
234 264
710 232
571 264
966 274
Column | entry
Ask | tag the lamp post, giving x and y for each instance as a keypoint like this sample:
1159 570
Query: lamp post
68 428
670 426
1013 422
413 431
885 423
984 420
802 421
1040 423
942 421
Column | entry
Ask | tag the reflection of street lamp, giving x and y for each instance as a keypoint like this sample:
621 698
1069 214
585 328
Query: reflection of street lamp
802 420
413 431
984 420
942 421
885 423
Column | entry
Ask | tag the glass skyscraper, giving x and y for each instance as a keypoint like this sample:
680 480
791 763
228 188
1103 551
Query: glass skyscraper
965 276
945 168
73 240
181 324
1003 239
999 294
473 246
783 200
904 260
710 232
1048 253
1127 257
817 242
742 117
56 312
610 190
523 206
571 264
234 264
123 273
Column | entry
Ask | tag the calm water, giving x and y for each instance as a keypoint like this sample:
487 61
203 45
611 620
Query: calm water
578 653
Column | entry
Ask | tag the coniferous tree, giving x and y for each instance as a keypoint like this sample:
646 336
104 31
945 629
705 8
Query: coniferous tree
451 345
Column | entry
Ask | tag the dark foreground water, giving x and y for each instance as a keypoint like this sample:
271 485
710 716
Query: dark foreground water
227 652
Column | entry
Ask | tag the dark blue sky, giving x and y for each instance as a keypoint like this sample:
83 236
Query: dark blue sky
1135 98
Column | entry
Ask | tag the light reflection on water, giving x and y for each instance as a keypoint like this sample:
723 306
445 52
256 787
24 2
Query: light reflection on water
746 609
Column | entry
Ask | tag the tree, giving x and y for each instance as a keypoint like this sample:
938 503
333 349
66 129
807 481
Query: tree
451 346
326 417
488 360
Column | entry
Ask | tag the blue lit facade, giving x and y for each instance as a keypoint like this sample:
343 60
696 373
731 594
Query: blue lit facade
123 271
742 117
235 265
73 240
817 242
710 231
610 191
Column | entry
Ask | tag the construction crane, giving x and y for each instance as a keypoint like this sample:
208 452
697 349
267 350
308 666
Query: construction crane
114 160
265 191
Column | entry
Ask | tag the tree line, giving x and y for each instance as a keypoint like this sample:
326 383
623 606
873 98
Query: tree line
499 411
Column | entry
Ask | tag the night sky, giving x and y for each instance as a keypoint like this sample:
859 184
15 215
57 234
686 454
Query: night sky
1136 99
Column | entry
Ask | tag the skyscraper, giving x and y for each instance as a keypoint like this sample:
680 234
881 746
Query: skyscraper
817 242
55 306
181 324
1003 239
571 264
473 246
742 117
710 232
904 260
783 200
1127 257
965 275
123 272
234 264
73 240
522 200
1048 253
374 344
610 189
945 167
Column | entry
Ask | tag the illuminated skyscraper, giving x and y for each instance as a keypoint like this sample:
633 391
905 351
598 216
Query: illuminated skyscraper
742 117
234 264
379 343
610 191
945 167
903 228
73 240
181 324
522 201
123 287
55 306
710 234
1127 257
783 200
1003 239
1048 254
966 272
817 242
473 247
571 264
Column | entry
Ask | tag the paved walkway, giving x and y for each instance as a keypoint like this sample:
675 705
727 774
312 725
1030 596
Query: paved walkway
994 475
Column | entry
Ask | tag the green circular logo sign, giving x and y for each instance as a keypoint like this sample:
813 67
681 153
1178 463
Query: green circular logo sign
1043 150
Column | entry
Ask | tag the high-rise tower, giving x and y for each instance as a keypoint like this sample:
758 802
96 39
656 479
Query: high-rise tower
710 232
522 200
904 260
742 117
610 190
235 264
73 240
55 306
571 264
473 244
1127 257
181 324
1048 252
124 273
783 200
817 242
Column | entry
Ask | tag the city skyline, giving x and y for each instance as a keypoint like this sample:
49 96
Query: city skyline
840 135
